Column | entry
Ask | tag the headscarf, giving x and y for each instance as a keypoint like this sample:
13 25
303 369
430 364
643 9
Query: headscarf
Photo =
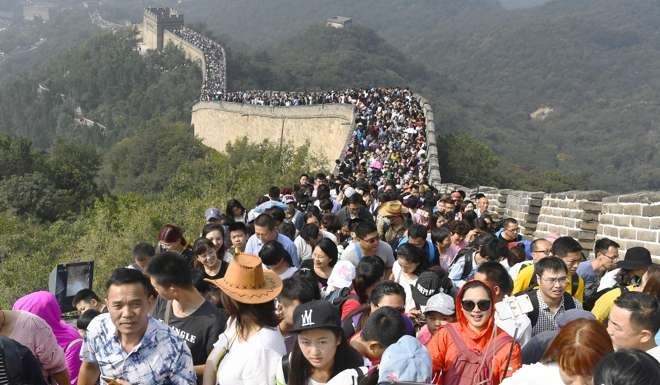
44 305
482 338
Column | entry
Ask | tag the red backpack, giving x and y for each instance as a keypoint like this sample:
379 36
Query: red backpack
471 367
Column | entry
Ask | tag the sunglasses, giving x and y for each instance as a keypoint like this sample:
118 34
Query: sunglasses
483 305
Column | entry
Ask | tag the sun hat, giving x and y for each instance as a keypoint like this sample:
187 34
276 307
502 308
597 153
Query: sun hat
317 314
636 258
212 213
246 281
342 275
441 303
392 208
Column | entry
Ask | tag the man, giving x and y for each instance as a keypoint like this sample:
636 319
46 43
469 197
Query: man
292 214
634 322
86 299
457 196
417 236
367 243
127 346
496 277
606 253
390 222
570 252
265 230
482 205
540 248
550 299
354 209
142 254
510 231
180 306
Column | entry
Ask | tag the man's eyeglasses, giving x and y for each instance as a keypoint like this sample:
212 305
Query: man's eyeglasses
513 230
611 257
557 280
483 305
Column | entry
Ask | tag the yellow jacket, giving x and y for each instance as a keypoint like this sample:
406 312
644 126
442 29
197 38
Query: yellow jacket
604 304
526 274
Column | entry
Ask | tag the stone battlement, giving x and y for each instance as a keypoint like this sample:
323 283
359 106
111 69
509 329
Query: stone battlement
629 219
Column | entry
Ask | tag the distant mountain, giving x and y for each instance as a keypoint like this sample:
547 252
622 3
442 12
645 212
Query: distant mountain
518 4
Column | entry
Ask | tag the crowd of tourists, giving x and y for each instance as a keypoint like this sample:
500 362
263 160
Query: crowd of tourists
213 82
339 281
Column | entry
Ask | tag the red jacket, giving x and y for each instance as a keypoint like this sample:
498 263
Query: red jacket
444 352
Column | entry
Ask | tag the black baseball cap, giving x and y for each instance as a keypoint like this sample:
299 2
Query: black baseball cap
428 284
636 258
317 314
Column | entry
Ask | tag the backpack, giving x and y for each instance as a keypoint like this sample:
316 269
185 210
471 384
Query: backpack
569 303
466 254
471 366
338 296
19 364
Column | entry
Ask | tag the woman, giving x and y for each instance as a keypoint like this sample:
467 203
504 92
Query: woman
476 338
321 351
248 296
458 231
215 233
235 211
275 257
170 238
410 263
324 258
627 367
207 261
368 273
442 241
571 357
44 305
35 334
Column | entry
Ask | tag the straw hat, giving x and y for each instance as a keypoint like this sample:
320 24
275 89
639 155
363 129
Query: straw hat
247 282
391 209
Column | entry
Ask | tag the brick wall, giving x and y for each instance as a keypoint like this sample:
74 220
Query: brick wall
631 219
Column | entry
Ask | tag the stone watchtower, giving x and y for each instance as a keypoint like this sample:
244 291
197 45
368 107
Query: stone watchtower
155 22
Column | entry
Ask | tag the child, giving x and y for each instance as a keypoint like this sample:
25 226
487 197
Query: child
439 311
84 319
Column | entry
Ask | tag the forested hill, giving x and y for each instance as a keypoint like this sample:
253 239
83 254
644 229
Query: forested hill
590 60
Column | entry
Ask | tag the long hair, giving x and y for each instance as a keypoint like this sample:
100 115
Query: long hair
345 358
247 315
652 283
578 347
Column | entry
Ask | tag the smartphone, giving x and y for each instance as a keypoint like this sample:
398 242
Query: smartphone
110 380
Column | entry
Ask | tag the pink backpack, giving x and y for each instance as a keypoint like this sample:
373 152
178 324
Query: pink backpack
468 368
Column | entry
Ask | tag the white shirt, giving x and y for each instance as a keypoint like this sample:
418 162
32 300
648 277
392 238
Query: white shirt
406 282
655 352
251 362
522 322
535 374
608 280
515 269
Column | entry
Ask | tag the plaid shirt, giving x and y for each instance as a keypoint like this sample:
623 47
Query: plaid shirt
547 320
160 358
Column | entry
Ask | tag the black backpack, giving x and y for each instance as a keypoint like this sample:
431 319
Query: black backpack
569 303
338 296
466 254
19 364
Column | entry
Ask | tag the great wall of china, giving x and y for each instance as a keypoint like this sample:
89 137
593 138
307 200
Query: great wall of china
630 219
